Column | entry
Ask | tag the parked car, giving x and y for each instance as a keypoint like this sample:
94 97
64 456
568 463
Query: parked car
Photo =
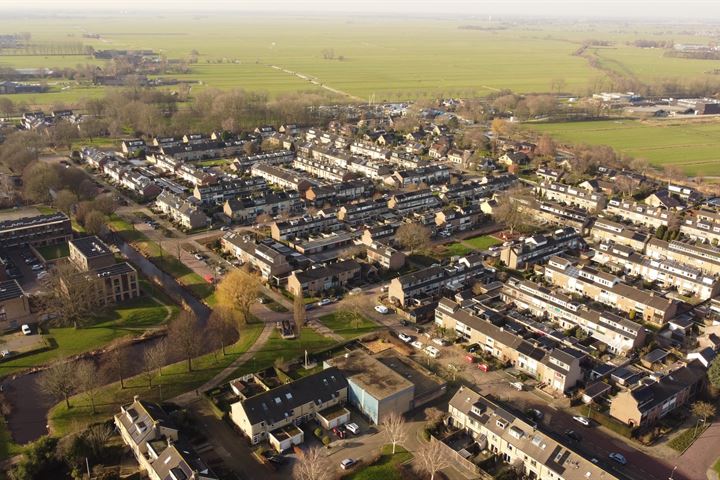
347 463
382 309
324 301
36 267
534 413
224 228
519 386
199 256
432 351
405 337
339 432
353 427
580 419
618 457
573 435
26 329
5 353
439 341
417 344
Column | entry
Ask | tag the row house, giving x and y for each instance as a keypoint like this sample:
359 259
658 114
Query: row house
332 156
407 160
385 256
323 243
154 439
315 280
282 177
381 232
608 289
115 171
195 176
538 248
372 169
559 192
95 158
220 192
429 175
370 150
519 442
363 212
459 157
604 230
433 280
619 334
272 259
556 214
474 189
686 279
140 184
166 141
702 256
458 219
322 170
305 226
639 214
703 225
339 193
550 174
165 164
558 367
279 157
181 210
409 202
272 203
203 150
656 396
277 412
130 146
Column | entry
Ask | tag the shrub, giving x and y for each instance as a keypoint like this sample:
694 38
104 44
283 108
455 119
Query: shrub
683 441
426 434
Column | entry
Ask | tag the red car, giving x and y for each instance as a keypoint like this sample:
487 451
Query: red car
483 367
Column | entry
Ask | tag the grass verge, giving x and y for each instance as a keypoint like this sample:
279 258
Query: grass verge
683 440
386 467
483 242
343 328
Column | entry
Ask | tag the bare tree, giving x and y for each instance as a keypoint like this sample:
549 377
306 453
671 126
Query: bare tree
73 297
59 381
185 336
510 210
65 200
432 457
220 328
237 292
351 309
413 236
312 465
546 147
394 430
97 436
95 222
154 358
299 313
87 381
117 365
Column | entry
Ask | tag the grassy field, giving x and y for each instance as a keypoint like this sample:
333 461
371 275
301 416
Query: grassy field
483 242
131 318
175 379
372 56
197 285
344 329
693 145
456 249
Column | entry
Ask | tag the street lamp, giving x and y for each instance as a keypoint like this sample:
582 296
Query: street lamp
672 473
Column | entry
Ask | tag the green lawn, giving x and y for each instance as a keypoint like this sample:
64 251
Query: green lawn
386 468
691 144
175 379
683 440
456 249
214 163
165 260
344 329
53 252
482 242
716 466
277 347
130 318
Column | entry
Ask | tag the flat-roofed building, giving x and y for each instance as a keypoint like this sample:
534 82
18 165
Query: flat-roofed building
90 253
14 305
36 231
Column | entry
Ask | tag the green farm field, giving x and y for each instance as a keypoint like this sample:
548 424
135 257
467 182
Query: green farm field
387 59
693 145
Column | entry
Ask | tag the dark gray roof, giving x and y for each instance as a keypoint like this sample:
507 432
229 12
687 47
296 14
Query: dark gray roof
91 246
9 290
277 404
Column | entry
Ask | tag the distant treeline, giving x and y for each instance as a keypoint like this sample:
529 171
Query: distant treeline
644 43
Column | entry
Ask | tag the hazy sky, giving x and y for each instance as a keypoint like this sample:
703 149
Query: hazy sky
708 10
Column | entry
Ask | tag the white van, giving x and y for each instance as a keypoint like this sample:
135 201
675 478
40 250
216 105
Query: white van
432 351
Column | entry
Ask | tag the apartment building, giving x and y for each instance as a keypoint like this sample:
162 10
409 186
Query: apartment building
559 367
559 192
90 253
604 230
432 281
518 442
409 202
619 334
658 395
687 279
305 226
181 211
538 248
701 255
609 290
36 231
639 214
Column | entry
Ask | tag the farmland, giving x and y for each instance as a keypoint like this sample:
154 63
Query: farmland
692 145
387 59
